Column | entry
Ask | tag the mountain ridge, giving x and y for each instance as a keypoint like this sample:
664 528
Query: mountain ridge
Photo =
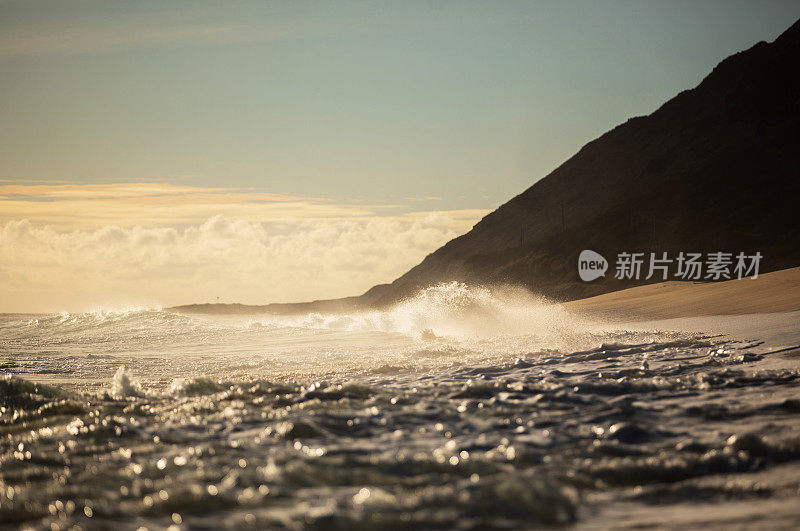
715 168
690 145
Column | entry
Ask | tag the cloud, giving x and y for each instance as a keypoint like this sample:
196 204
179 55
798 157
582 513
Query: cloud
103 32
71 207
42 269
68 247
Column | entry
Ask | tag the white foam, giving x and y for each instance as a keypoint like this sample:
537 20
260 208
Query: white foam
122 385
451 310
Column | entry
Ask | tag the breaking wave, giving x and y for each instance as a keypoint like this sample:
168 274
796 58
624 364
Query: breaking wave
442 326
446 310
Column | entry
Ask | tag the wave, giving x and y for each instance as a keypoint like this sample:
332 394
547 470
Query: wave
447 310
450 310
439 328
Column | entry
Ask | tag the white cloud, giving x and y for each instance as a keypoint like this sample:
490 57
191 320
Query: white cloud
43 269
74 247
84 206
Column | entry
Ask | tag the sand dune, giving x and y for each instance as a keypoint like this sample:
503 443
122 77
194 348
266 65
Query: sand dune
778 291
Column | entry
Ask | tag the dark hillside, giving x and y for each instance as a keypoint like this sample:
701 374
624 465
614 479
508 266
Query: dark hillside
716 168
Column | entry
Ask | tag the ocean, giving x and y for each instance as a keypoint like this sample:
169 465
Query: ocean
461 408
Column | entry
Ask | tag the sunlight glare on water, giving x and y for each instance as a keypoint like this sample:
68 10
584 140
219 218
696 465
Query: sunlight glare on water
443 325
460 407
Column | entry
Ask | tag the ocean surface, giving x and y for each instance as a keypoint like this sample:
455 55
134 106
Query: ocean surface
458 409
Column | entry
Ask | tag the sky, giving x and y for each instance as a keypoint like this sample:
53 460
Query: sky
158 153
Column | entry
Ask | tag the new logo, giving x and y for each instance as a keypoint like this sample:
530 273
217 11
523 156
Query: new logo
591 265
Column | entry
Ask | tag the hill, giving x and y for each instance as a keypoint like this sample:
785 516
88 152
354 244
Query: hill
716 168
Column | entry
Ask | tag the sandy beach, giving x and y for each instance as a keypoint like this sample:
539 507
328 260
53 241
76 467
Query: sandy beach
778 291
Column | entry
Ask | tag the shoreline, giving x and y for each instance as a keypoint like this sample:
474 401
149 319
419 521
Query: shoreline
774 292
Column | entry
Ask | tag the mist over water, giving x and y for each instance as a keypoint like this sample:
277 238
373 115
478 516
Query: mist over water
445 325
460 408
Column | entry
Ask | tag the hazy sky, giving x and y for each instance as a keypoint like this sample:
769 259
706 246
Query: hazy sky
288 131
